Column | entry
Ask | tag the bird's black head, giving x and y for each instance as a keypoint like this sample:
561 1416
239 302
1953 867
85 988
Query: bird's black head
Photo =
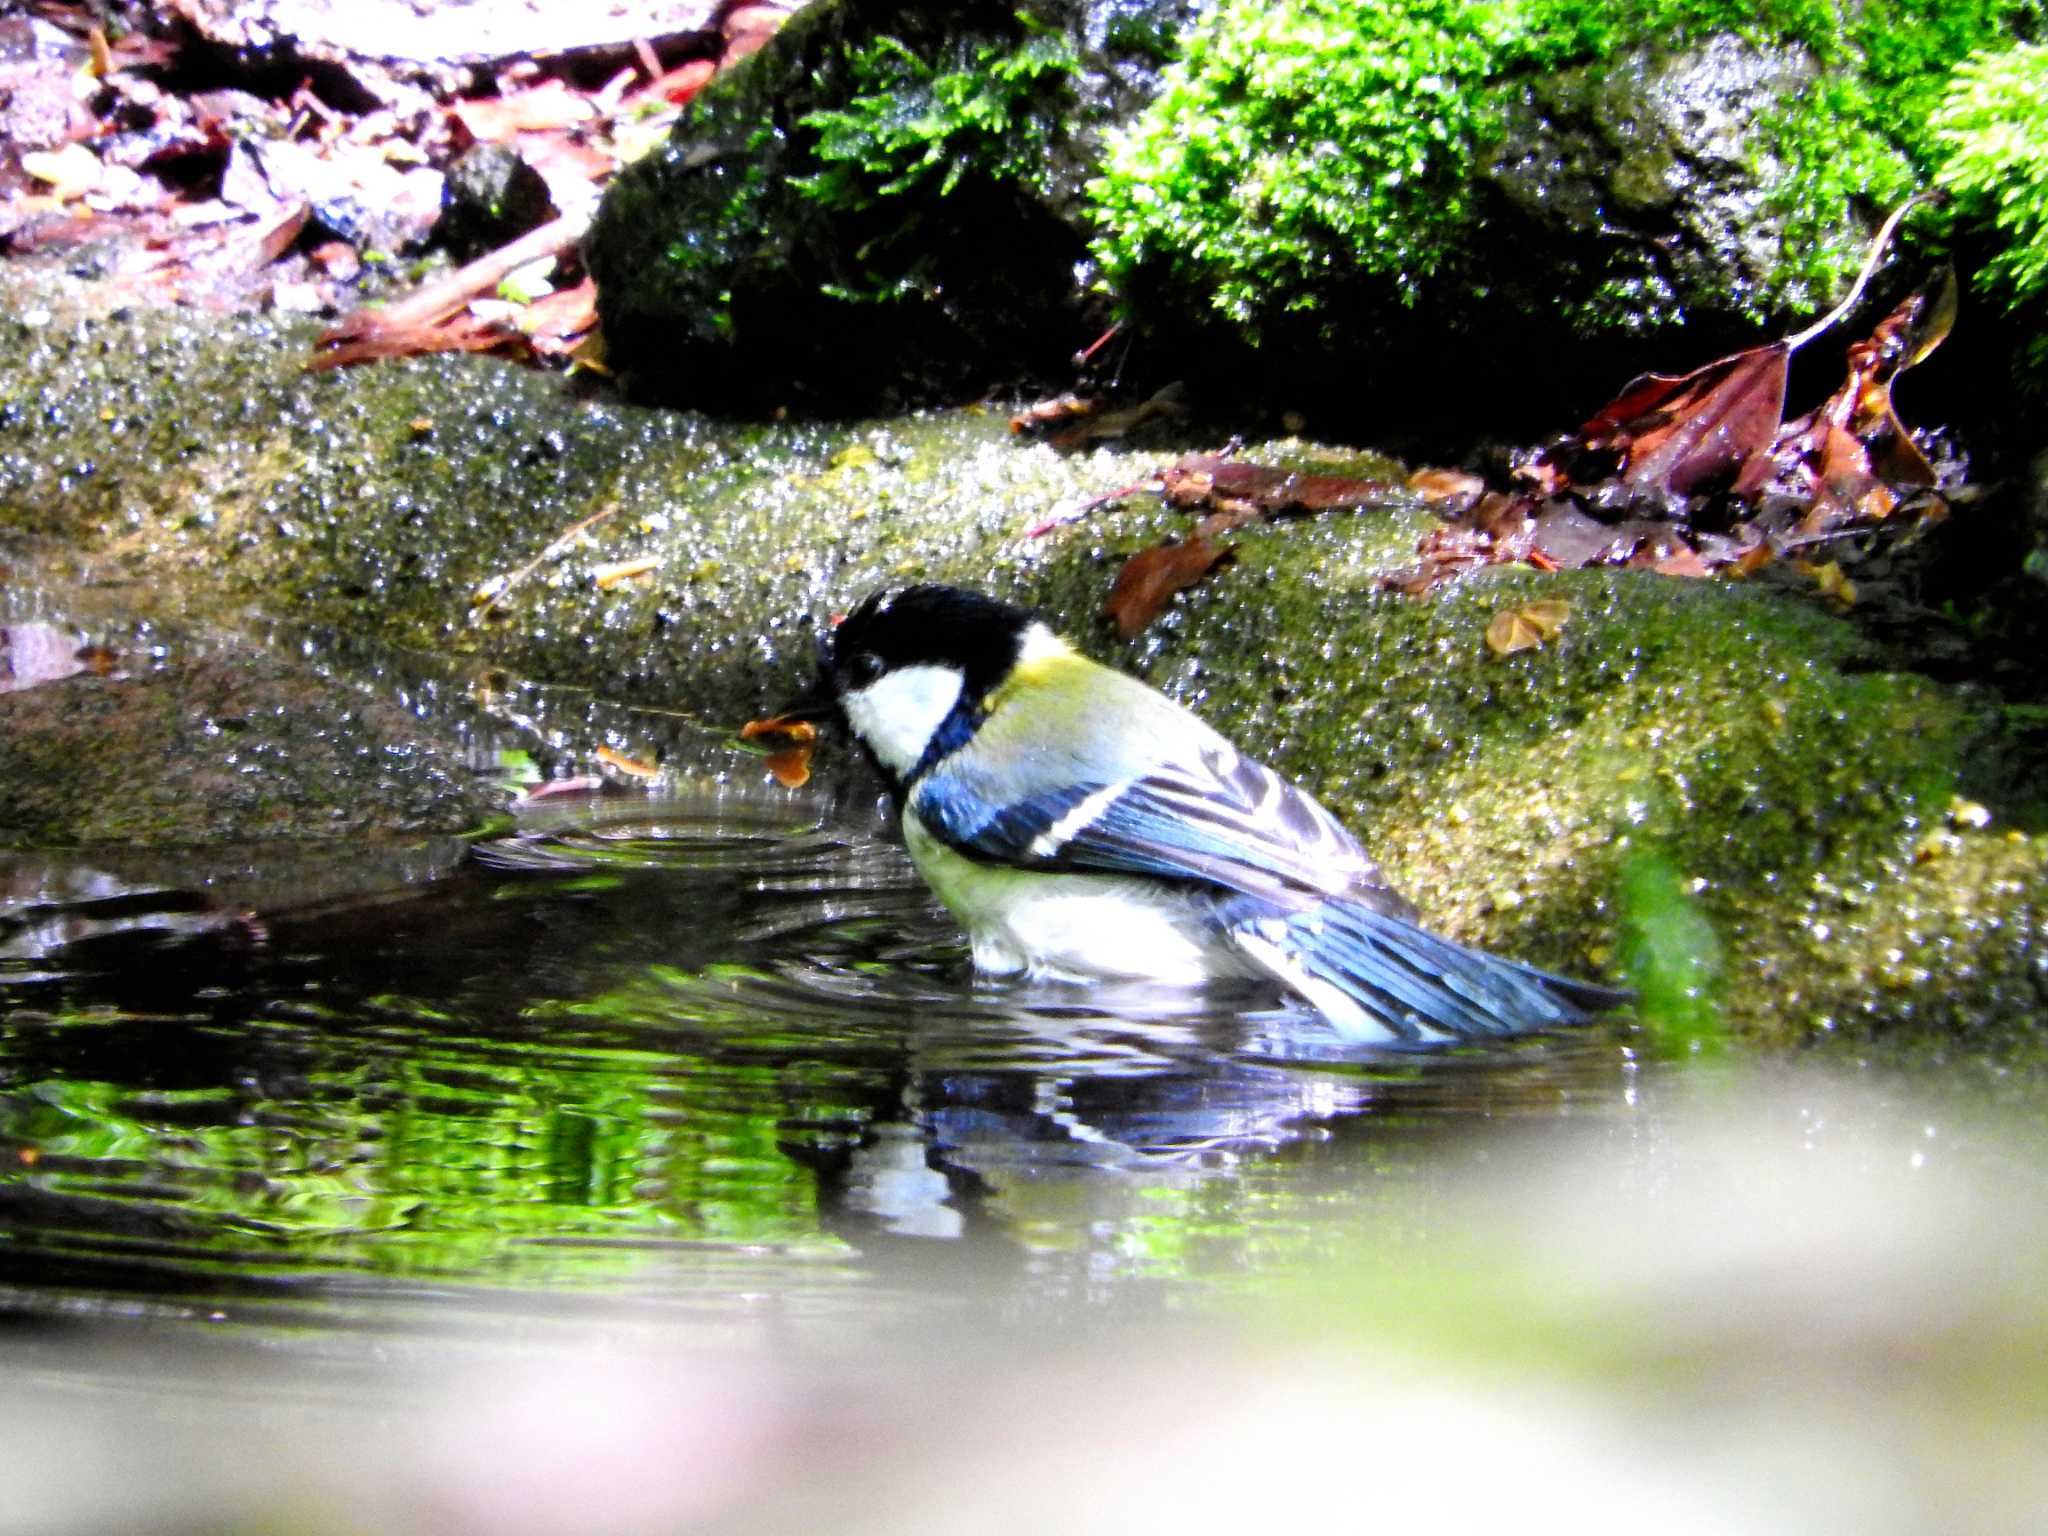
928 625
908 669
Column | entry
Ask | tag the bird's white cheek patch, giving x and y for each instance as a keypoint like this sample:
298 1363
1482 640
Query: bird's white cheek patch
897 714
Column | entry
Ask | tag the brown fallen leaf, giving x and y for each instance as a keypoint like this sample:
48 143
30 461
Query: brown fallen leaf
1526 628
498 119
789 766
1226 484
1696 474
1671 436
779 725
458 333
1849 453
1042 415
1457 488
1708 429
618 572
1683 560
555 323
1829 580
636 767
1150 578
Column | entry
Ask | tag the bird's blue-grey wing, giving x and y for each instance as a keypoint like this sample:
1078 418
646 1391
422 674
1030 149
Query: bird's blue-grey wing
1213 817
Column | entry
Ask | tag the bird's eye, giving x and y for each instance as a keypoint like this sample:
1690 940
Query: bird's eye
862 668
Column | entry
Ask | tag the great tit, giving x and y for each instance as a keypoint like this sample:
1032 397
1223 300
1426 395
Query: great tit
1082 825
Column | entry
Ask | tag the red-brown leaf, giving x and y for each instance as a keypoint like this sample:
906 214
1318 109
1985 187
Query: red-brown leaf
364 344
565 312
498 119
1210 480
1151 577
1681 433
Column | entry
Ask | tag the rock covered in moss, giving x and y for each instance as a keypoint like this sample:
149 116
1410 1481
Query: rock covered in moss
1797 782
1650 169
884 203
1353 205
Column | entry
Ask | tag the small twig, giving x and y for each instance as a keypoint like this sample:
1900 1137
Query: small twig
442 298
1073 513
1086 355
1870 265
556 546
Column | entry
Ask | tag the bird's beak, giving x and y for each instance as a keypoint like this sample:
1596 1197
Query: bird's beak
814 706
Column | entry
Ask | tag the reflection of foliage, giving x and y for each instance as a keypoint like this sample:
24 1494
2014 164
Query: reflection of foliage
452 1158
1672 957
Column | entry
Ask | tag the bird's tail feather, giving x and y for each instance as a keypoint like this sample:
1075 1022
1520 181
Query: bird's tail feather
1378 977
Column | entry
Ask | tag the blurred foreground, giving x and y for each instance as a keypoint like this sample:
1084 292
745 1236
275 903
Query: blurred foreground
1779 1300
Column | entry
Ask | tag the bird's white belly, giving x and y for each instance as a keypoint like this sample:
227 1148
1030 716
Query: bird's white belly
1071 927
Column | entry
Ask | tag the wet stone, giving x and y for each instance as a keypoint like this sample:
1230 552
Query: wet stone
227 749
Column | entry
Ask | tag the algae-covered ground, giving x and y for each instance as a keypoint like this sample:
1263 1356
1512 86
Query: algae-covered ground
1824 831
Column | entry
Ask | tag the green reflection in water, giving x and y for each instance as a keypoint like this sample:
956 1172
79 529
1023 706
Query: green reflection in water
393 1152
817 1108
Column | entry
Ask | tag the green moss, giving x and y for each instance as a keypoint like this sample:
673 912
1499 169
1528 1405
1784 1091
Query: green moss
818 231
908 123
910 127
898 128
1671 956
1296 140
1742 735
1993 123
1302 147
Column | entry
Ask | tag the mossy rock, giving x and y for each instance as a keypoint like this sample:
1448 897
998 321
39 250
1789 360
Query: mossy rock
1652 170
1321 203
1796 779
882 205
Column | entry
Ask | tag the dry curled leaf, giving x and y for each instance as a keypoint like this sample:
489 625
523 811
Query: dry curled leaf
1150 578
620 571
634 767
1831 583
1526 628
1457 488
789 766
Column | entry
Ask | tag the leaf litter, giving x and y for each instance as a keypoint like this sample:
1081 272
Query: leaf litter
239 154
1692 475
